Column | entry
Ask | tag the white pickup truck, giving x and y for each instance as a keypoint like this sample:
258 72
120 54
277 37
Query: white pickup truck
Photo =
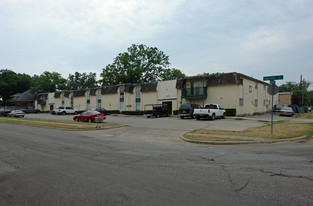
210 111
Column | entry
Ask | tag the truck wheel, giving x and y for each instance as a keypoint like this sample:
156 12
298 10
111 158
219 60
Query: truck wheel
148 116
63 113
75 113
198 118
223 117
158 115
213 117
182 117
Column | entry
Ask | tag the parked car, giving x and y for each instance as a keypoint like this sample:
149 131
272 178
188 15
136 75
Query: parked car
286 111
30 110
210 111
277 107
89 116
101 110
64 110
16 113
5 112
186 110
156 110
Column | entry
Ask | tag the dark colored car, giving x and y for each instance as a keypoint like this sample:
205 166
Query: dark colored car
5 112
156 110
101 110
277 107
186 110
89 116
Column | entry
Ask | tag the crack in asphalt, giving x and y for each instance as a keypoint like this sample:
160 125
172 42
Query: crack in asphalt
234 186
272 174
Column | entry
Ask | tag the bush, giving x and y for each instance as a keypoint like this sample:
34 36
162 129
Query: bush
115 112
175 112
230 112
132 112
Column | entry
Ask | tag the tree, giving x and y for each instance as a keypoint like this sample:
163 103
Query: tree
81 81
140 64
298 91
48 82
12 83
171 74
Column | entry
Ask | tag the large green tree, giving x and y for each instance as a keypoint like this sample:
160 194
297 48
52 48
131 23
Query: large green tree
299 92
48 82
81 81
139 64
12 83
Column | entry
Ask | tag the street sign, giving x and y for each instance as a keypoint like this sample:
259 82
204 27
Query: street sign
272 89
273 77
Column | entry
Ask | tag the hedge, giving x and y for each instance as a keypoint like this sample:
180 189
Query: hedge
132 112
115 111
230 112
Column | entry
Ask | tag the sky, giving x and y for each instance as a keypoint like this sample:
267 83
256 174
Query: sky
252 37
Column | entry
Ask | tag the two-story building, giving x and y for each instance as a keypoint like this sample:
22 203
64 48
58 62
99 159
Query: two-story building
231 90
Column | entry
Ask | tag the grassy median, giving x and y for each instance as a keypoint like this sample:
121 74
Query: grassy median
305 115
282 130
57 124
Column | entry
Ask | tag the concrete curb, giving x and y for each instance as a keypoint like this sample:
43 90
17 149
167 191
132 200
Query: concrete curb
244 142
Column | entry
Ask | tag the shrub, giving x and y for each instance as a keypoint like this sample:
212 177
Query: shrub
115 112
132 112
230 112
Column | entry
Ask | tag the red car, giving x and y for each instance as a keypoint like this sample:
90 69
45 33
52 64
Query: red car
89 116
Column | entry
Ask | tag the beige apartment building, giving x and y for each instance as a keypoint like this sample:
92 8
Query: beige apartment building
231 90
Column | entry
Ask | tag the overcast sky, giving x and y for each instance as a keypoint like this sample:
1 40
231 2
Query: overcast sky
253 37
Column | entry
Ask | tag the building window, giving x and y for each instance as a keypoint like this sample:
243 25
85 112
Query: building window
256 103
264 103
88 100
256 85
62 95
241 102
99 98
241 81
138 99
264 87
72 100
250 89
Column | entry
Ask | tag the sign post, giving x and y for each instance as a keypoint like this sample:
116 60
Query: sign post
272 90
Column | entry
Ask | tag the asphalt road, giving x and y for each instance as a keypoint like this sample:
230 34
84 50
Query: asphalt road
146 166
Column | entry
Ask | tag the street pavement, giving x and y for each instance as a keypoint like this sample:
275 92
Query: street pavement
144 165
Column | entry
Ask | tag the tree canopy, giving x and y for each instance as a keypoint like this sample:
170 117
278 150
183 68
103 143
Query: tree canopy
48 82
81 81
12 83
298 92
140 64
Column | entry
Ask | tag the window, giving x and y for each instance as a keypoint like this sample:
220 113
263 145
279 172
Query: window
99 99
264 87
256 85
264 103
256 103
138 99
241 102
250 89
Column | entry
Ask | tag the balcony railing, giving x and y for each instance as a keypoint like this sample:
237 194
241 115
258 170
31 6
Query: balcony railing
197 92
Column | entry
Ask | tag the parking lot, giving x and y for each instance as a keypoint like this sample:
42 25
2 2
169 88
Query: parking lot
174 122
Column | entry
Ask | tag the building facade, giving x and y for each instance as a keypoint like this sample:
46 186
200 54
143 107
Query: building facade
231 90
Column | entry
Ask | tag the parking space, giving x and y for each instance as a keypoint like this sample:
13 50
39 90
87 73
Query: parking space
164 123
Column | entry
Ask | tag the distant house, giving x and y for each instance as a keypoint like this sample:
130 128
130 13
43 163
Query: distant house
284 98
21 100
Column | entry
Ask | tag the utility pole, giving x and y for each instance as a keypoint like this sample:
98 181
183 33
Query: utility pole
300 87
